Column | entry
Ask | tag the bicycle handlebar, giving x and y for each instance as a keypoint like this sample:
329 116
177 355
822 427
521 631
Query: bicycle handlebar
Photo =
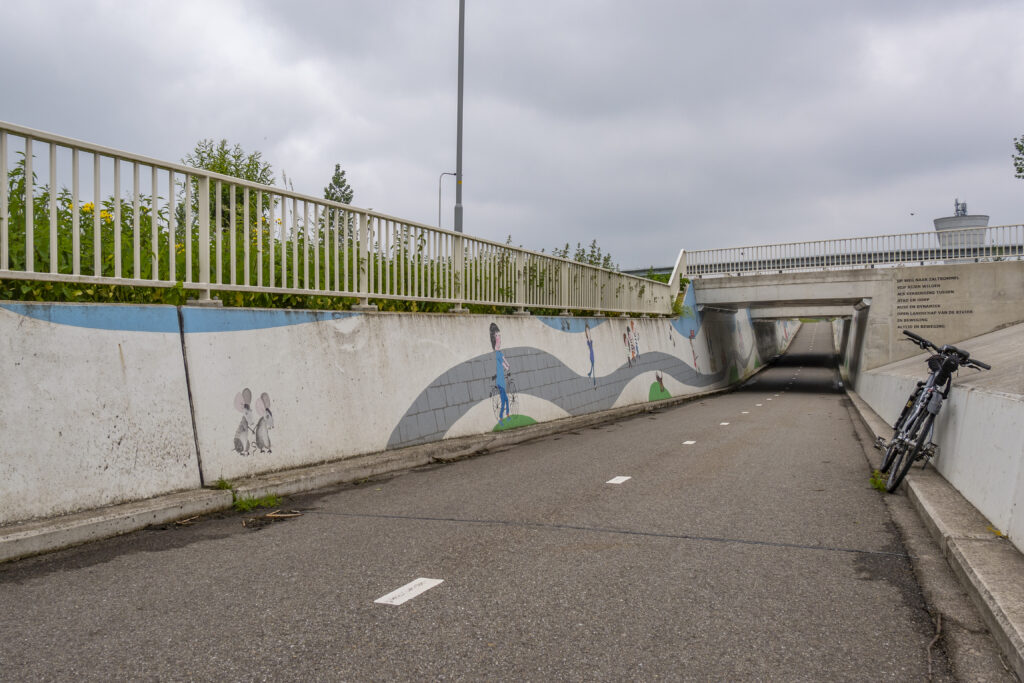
964 356
919 340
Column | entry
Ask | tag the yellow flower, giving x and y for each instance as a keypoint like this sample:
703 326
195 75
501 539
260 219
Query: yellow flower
105 215
87 206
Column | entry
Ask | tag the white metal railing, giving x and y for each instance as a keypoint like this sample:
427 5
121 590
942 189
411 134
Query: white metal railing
1005 242
72 211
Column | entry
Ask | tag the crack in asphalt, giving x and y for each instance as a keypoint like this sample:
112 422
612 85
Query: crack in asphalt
612 530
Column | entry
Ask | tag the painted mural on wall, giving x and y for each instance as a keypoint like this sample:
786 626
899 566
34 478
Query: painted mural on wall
504 393
658 392
253 433
590 348
318 365
543 376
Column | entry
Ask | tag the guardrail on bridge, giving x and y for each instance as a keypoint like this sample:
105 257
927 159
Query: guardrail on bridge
950 246
131 220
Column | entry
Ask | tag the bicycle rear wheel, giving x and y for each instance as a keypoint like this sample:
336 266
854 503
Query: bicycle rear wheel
909 452
496 402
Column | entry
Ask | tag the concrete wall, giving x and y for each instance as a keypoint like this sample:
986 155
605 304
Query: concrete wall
96 407
93 407
981 443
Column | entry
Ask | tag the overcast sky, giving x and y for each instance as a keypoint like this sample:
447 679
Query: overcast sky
648 125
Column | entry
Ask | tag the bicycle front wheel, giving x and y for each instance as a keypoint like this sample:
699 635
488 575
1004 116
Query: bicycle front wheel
513 397
909 452
890 453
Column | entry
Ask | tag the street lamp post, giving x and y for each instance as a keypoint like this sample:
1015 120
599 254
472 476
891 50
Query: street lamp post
439 196
458 137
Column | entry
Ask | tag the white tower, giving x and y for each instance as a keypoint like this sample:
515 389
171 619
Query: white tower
954 231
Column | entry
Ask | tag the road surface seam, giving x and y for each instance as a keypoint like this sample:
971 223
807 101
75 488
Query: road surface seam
611 530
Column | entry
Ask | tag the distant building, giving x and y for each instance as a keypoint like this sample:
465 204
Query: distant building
954 230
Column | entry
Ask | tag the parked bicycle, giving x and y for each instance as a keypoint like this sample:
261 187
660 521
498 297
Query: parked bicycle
911 440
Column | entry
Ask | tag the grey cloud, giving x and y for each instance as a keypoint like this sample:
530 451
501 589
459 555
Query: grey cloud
650 125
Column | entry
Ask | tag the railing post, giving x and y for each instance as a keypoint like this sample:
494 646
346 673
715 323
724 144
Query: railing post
678 273
563 288
363 271
4 221
204 245
520 275
458 266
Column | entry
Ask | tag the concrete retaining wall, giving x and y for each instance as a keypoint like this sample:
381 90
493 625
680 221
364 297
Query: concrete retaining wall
981 443
93 408
96 407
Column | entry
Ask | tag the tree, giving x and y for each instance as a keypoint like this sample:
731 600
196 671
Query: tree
218 157
339 190
1018 158
233 161
591 255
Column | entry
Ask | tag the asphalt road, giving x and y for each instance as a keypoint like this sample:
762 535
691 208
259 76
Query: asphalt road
758 551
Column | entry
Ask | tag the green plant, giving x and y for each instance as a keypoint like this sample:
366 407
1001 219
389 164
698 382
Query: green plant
878 481
247 503
223 485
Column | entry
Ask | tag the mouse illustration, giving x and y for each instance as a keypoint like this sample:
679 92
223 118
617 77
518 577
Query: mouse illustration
243 401
265 424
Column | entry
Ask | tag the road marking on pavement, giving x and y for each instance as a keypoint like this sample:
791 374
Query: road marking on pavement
744 412
408 591
618 480
767 399
758 404
689 443
723 424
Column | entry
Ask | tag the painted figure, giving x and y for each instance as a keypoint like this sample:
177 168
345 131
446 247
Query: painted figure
253 431
500 368
243 405
265 424
659 378
693 350
636 339
590 348
629 348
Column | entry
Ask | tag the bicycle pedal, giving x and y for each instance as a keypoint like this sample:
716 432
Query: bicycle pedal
880 443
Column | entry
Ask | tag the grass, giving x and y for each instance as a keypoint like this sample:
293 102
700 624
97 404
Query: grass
251 503
246 503
878 481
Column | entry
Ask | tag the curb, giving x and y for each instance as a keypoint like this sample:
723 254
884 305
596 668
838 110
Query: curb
35 537
990 568
42 536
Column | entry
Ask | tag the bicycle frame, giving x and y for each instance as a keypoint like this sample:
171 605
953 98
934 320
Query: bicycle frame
912 432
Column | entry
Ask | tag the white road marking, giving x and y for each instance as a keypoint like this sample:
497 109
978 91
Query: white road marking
618 480
408 591
759 405
723 424
689 443
767 399
744 412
